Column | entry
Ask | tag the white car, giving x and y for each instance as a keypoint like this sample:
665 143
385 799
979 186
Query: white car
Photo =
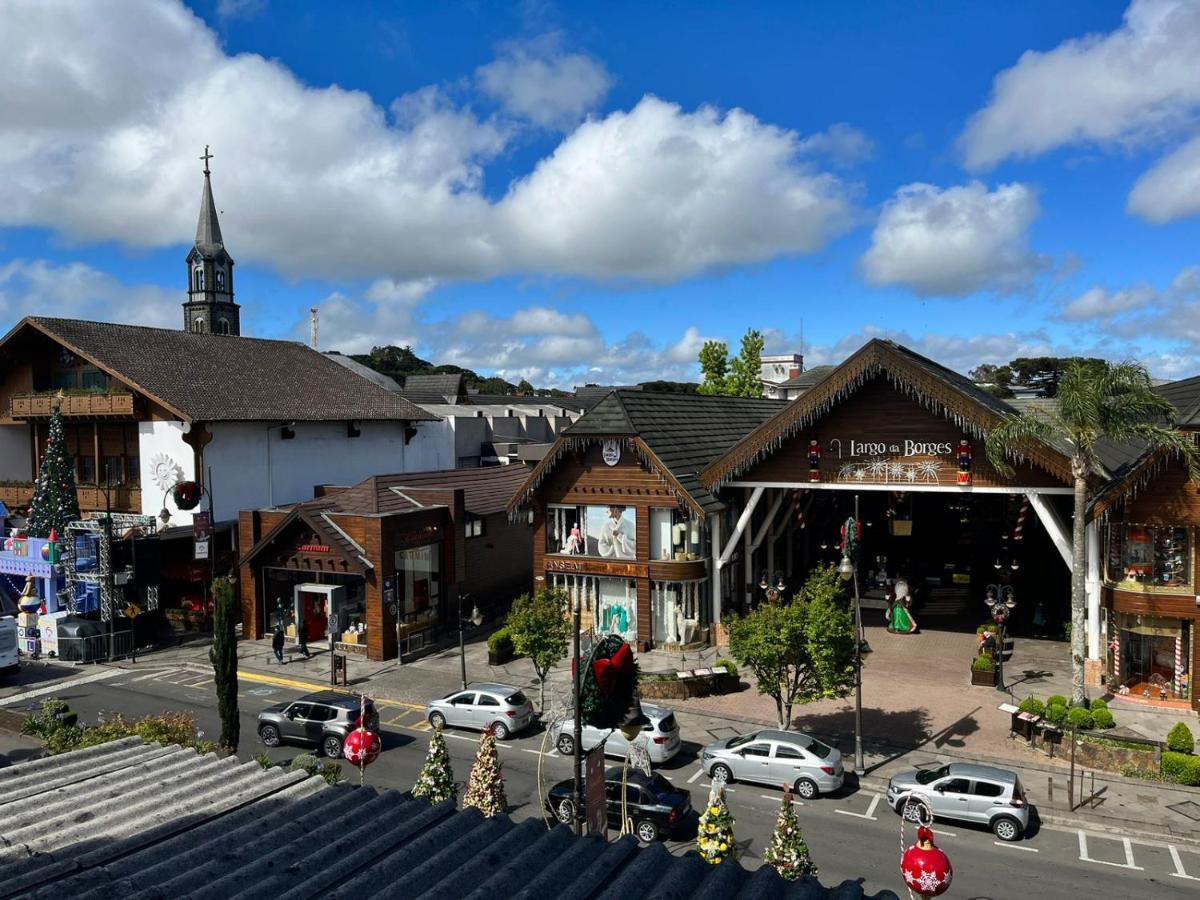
500 707
662 735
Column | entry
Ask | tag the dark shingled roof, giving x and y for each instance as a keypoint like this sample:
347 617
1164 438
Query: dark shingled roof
806 379
433 388
486 491
388 384
211 828
221 378
685 431
1184 395
589 395
571 403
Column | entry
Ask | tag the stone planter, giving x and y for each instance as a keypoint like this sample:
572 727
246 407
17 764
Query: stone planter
983 679
500 657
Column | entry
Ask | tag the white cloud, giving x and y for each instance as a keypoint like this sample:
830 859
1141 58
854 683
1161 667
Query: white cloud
841 143
240 9
955 241
537 81
1130 85
1171 188
1100 303
100 144
659 193
75 290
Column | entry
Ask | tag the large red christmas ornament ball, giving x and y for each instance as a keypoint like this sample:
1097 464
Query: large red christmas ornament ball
926 869
186 494
362 747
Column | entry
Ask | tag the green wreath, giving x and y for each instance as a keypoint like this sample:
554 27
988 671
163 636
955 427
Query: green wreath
609 684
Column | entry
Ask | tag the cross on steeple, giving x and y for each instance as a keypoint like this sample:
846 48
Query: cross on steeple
206 157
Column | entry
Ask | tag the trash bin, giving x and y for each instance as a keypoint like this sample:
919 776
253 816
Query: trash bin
339 669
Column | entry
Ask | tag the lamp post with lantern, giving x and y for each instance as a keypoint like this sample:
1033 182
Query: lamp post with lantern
773 590
848 570
1000 602
475 619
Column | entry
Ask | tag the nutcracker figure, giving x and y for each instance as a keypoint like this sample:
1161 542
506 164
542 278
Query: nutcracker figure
964 461
814 461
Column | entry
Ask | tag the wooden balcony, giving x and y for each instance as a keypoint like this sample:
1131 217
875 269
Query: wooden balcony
16 495
104 406
124 498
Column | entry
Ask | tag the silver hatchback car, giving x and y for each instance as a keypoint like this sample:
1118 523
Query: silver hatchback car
790 758
971 793
501 707
661 732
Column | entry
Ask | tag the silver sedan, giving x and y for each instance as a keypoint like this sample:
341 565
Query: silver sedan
781 758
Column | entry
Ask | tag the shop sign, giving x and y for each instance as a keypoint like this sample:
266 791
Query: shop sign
610 452
201 526
595 800
595 567
312 548
906 448
201 549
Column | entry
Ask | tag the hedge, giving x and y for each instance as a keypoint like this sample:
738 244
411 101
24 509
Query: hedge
500 641
1103 718
1098 704
1180 740
1181 768
1057 700
1080 718
983 663
728 665
1056 713
1032 705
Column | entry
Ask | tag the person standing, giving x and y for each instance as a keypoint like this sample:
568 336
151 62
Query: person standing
302 640
277 644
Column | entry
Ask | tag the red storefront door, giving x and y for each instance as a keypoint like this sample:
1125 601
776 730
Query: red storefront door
313 615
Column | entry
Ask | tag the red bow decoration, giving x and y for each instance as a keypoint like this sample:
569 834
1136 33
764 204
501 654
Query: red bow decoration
609 671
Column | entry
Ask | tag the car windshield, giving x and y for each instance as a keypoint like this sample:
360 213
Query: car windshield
925 776
517 699
667 725
741 739
660 788
819 750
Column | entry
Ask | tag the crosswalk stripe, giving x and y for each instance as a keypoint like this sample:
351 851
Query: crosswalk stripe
60 686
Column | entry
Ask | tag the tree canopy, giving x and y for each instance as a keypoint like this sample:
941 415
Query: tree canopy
1040 373
737 377
540 630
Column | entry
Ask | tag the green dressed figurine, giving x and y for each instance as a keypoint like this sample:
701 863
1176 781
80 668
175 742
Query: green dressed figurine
899 616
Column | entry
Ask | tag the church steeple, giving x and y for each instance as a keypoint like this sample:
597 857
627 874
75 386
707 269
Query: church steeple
210 308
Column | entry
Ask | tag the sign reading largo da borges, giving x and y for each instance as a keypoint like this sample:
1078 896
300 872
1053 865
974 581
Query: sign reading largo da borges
907 447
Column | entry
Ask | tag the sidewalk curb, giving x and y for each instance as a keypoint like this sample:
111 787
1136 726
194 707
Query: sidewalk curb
312 686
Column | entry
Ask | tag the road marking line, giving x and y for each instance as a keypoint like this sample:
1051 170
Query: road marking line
396 720
769 797
1179 870
728 790
1015 846
157 674
869 814
1128 864
692 780
422 725
61 686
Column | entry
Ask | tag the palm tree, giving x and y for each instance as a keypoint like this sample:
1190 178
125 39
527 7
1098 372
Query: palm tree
1109 401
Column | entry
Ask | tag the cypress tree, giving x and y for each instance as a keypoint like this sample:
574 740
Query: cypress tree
55 502
223 656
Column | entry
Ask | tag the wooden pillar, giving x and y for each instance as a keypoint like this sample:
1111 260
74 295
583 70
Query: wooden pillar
96 451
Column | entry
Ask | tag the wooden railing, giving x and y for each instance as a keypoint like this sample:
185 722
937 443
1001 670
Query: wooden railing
30 406
16 495
123 498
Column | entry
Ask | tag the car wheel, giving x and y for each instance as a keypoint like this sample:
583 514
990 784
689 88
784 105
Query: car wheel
565 812
911 812
1006 828
721 772
437 720
501 731
566 745
269 735
647 831
331 746
807 788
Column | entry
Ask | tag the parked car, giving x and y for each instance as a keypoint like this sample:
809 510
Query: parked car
323 719
501 707
792 758
656 806
662 732
971 793
10 662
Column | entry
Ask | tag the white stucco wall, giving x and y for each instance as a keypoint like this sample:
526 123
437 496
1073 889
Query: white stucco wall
16 454
162 451
247 472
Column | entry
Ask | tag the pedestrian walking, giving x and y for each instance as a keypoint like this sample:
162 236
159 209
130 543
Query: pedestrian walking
277 643
302 641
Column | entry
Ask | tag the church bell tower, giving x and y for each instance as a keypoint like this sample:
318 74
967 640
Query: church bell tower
210 308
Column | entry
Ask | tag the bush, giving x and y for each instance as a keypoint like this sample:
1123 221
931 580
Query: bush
53 716
500 641
1032 705
263 760
55 724
306 762
1056 713
1103 718
1181 768
728 665
986 627
1057 700
983 663
1081 718
1180 740
332 773
1098 704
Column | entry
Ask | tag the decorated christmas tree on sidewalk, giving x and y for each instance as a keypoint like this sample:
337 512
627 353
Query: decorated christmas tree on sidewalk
788 852
54 500
485 790
436 781
714 838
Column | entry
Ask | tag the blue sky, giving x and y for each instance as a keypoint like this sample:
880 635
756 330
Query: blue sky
585 192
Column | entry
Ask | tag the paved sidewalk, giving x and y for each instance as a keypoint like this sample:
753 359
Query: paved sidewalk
918 709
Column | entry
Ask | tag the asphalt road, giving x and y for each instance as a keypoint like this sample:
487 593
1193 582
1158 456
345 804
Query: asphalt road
852 835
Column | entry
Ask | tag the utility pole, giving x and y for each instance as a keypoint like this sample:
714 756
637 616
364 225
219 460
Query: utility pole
860 767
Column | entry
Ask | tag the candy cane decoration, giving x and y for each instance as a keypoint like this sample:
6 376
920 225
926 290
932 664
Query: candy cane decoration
1019 529
1178 661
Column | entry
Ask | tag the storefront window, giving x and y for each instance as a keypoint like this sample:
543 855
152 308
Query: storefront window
676 609
419 573
1153 654
674 534
608 532
1154 556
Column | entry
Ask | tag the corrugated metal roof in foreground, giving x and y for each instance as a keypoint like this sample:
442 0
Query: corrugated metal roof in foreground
134 820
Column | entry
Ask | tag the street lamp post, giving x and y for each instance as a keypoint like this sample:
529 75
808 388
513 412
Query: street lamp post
848 570
476 619
111 585
1000 603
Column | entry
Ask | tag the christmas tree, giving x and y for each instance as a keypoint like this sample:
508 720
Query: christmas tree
714 838
788 852
54 500
436 781
485 790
